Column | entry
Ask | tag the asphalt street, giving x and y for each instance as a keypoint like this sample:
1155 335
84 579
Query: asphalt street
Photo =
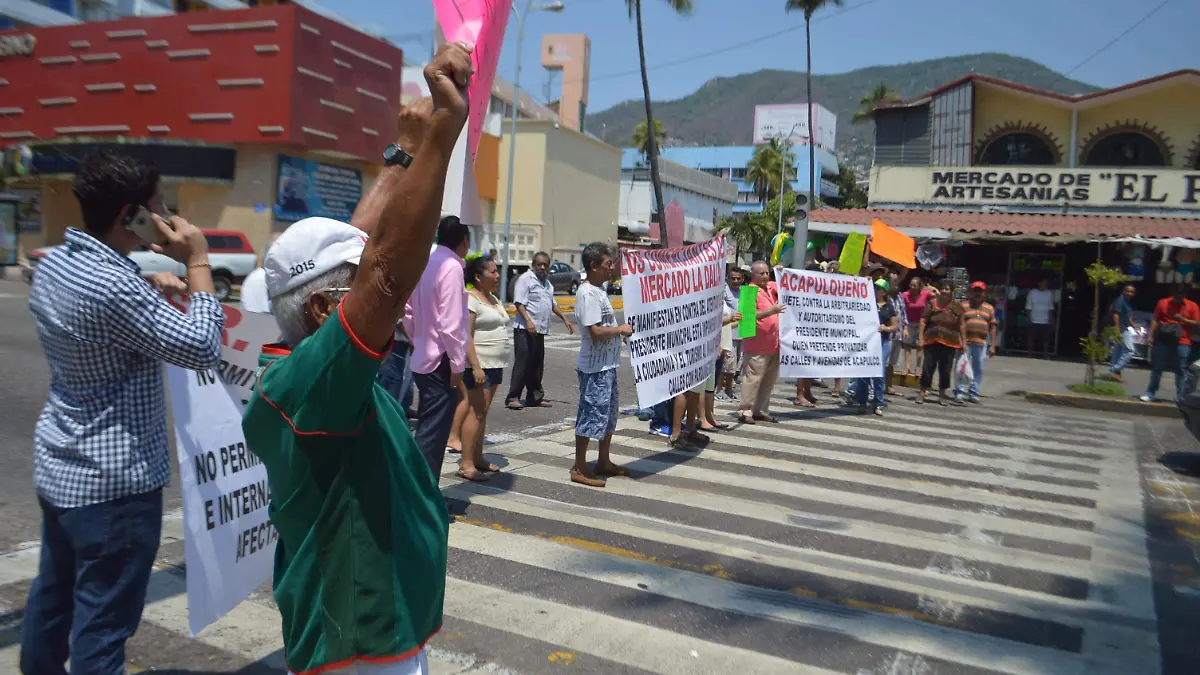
1004 538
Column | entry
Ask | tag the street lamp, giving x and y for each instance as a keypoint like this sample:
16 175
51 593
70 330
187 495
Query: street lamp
530 7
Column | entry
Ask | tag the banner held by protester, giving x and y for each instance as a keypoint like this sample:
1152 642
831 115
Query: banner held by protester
830 328
674 299
229 542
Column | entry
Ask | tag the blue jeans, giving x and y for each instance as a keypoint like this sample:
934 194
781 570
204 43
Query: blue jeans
1122 352
1162 357
396 377
91 585
873 385
976 355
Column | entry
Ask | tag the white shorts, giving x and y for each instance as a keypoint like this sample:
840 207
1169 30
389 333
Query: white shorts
417 664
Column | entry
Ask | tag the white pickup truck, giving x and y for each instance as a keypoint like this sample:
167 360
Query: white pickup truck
229 251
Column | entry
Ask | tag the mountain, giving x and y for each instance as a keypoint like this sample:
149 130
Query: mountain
722 111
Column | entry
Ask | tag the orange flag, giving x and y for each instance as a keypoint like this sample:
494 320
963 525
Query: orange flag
892 244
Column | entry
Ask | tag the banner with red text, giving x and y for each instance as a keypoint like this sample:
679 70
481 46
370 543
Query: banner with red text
229 541
674 299
830 328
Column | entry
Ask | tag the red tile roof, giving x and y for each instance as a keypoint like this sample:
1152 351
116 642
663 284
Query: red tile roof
1019 223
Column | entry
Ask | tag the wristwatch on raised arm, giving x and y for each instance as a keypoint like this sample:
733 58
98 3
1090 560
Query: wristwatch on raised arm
394 155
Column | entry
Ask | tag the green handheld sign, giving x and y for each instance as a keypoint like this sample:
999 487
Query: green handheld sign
748 306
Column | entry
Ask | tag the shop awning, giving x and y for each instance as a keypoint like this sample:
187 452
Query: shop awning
918 233
998 225
1173 242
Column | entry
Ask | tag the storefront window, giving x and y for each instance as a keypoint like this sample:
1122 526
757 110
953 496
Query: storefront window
1127 148
1018 148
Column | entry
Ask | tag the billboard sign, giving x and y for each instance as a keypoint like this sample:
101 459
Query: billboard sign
307 188
776 121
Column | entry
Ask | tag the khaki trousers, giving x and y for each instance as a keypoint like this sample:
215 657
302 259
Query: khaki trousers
762 372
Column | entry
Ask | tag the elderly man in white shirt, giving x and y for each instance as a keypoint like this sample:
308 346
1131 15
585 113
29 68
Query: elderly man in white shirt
534 300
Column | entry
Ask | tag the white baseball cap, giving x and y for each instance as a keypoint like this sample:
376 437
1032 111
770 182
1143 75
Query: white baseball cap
308 249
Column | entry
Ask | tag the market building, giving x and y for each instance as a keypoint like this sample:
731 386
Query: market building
256 117
1014 184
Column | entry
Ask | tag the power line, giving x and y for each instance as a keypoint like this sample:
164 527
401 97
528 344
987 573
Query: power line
1117 39
738 45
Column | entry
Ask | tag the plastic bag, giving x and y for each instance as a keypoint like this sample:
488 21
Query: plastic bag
963 369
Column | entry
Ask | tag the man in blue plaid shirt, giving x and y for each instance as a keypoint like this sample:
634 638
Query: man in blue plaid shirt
101 441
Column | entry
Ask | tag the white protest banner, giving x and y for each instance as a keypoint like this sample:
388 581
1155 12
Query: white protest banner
830 328
674 299
229 542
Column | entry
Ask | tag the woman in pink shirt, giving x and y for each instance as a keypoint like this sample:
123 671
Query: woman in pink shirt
915 299
762 350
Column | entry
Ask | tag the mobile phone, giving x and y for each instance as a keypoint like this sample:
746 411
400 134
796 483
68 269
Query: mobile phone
141 223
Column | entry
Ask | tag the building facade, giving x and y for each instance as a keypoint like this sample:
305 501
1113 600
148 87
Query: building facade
702 197
256 117
566 193
729 163
1031 185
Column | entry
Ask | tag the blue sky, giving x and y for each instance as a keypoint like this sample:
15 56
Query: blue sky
1057 33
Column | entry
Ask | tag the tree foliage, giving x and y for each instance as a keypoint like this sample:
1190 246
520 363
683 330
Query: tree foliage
1097 344
748 232
850 192
769 163
879 94
641 140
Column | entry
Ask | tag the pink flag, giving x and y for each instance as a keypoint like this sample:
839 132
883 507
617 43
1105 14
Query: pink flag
480 23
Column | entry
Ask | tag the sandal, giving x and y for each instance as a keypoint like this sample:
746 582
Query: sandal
451 450
743 418
698 437
804 403
766 418
513 405
474 476
490 468
716 427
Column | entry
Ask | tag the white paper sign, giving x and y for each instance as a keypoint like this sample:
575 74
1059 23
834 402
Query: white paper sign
229 542
830 328
674 299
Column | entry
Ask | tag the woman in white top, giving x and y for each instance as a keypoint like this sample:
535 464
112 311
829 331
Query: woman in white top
487 356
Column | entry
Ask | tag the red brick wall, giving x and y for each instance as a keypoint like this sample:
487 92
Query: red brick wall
220 77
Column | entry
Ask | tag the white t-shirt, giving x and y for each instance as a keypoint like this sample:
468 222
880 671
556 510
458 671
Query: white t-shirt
1039 304
727 331
592 308
254 292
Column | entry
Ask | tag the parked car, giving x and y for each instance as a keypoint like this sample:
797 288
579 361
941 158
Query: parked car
564 278
229 251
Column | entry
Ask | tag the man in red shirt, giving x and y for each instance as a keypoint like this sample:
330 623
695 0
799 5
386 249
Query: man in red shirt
1170 339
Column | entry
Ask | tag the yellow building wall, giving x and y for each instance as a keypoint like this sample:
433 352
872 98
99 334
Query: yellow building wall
60 210
529 174
582 196
1172 110
995 108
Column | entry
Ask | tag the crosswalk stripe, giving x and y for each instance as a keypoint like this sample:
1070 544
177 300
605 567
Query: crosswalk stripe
1018 431
618 640
880 629
983 540
870 540
832 448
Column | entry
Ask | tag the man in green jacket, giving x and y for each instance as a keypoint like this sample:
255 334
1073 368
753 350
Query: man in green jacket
360 566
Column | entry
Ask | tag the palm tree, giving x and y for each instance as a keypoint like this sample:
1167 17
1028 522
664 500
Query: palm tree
809 7
641 140
767 166
635 12
867 103
747 231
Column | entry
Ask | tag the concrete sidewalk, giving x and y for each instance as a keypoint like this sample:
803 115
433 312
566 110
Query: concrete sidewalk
1006 374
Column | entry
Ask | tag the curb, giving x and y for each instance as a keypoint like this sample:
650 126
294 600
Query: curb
1117 405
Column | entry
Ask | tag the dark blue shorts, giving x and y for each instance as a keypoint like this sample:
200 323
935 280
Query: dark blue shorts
494 377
